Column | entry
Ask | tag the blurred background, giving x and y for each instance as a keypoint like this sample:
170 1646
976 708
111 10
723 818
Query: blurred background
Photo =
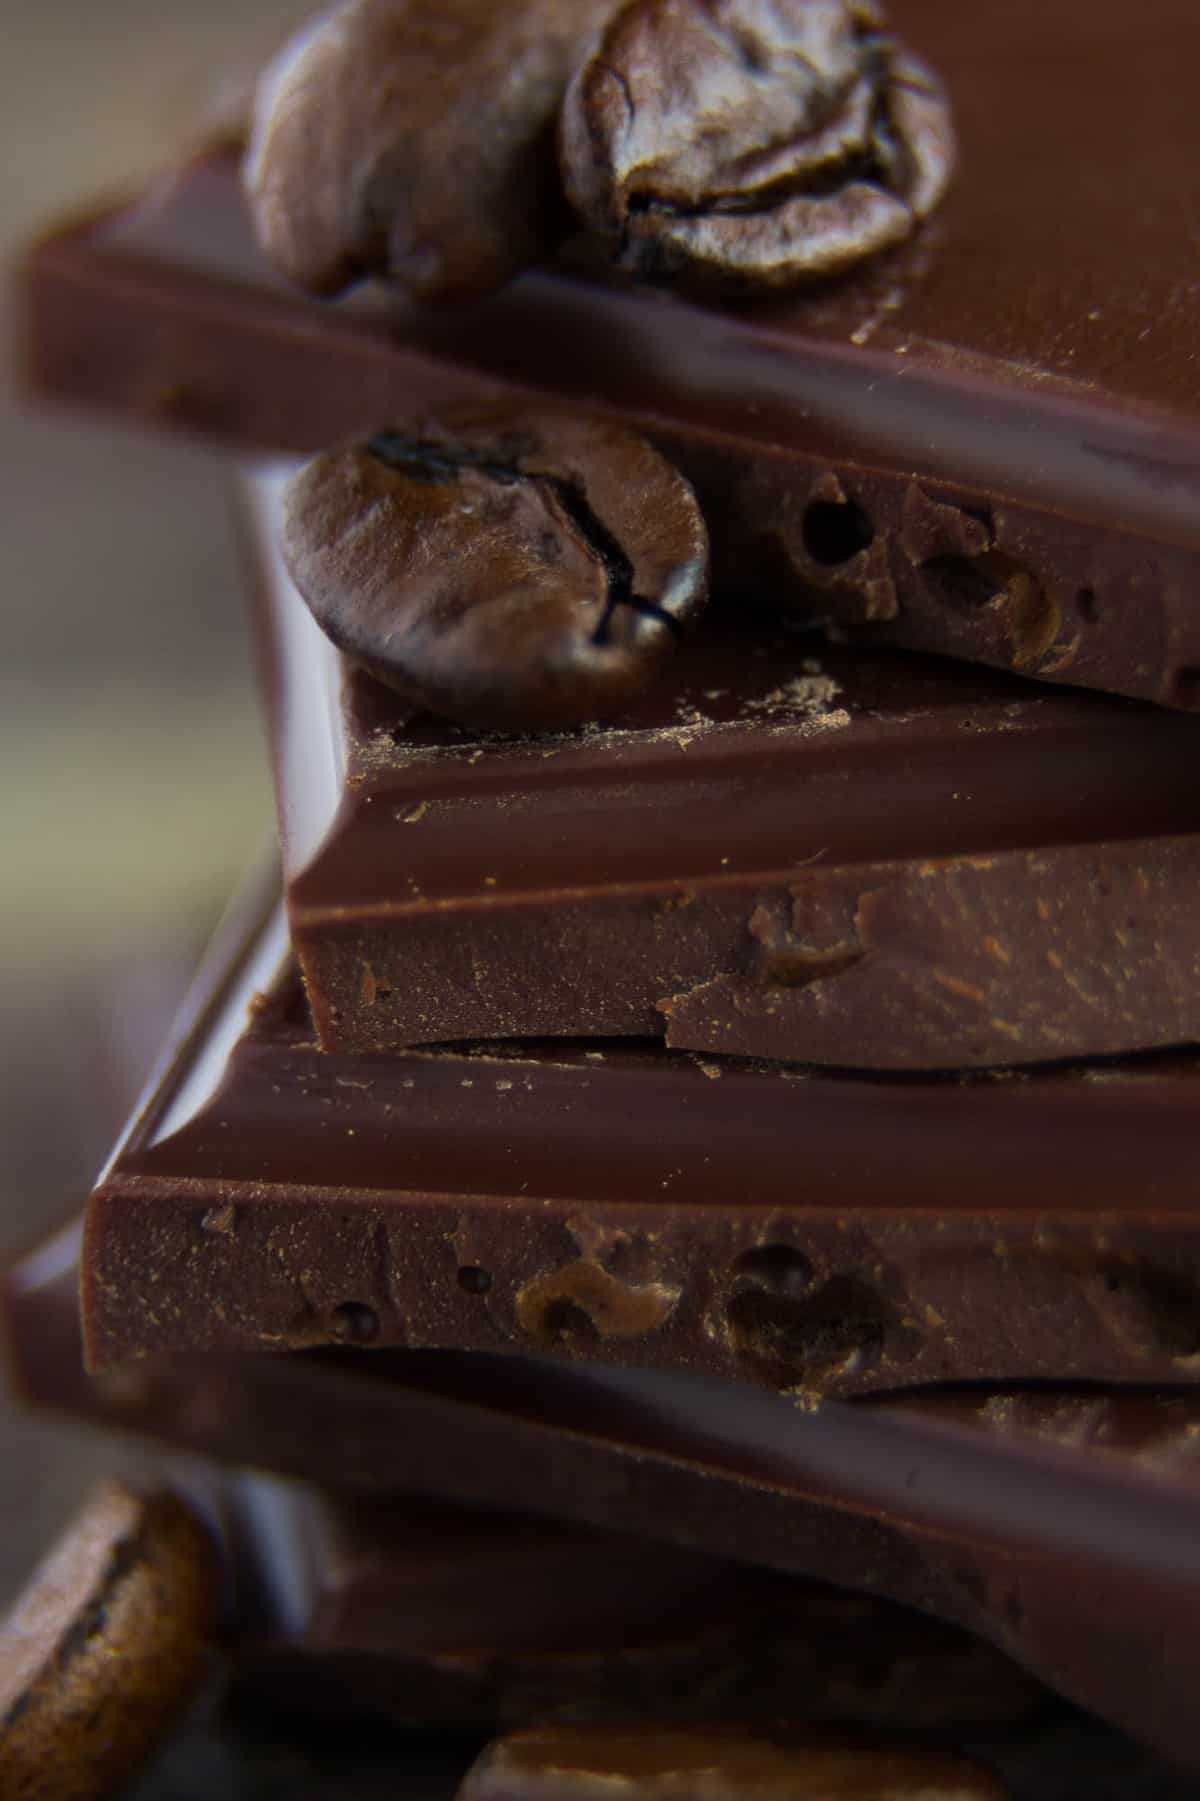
134 789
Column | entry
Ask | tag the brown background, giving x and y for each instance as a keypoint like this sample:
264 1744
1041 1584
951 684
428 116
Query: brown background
133 790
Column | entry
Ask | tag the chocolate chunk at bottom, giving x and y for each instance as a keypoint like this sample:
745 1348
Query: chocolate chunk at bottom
569 1763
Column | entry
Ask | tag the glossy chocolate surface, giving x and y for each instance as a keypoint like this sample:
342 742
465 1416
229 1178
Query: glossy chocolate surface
1022 374
392 1420
782 850
939 1499
816 1232
431 1614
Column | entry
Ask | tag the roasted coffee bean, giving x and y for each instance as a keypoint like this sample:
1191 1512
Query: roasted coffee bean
105 1646
514 571
660 1762
414 139
753 143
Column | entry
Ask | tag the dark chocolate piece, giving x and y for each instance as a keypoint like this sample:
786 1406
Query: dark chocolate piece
248 1753
930 1499
821 1233
521 571
987 443
416 140
104 1647
572 1763
861 861
754 146
434 1615
390 1421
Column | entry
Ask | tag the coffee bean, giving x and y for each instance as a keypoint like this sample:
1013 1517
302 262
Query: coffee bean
753 143
508 570
106 1645
657 1760
414 139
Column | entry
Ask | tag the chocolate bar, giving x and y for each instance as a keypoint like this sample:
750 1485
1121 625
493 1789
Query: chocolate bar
353 1612
956 1502
431 1614
823 1233
393 1420
984 443
870 861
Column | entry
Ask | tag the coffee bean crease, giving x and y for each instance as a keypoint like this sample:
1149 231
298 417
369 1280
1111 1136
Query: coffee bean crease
424 461
509 571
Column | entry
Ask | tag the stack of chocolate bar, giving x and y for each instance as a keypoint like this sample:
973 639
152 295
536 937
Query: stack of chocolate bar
692 1196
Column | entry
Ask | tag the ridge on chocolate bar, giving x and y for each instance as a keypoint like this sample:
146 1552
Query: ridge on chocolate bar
984 444
782 850
431 1613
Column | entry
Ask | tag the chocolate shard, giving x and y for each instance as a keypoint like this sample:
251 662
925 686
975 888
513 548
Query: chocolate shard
816 1232
950 962
1023 370
995 1509
866 861
430 1614
391 1421
572 1763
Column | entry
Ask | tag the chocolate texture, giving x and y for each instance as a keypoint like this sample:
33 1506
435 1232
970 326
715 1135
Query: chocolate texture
826 1234
955 1502
723 1645
390 1421
430 1614
984 443
507 569
860 860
